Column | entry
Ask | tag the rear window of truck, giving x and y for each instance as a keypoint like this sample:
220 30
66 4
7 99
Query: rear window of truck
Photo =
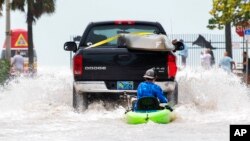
100 33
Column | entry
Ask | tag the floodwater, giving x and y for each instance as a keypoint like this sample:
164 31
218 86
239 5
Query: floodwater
40 109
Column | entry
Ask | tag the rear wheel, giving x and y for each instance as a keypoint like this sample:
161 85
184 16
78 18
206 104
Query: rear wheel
173 95
80 101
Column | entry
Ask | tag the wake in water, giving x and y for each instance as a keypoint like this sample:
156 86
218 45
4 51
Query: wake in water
41 109
206 96
211 96
48 95
27 96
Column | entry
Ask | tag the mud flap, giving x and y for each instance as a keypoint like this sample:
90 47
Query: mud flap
172 95
80 101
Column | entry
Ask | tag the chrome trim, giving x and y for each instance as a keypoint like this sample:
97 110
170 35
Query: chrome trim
100 87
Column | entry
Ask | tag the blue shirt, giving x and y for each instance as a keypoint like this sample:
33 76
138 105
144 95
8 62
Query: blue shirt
184 52
225 63
146 89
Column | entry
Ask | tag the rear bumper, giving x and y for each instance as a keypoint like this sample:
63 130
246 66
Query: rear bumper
100 87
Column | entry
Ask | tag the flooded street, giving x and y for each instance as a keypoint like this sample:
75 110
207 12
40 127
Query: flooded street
40 109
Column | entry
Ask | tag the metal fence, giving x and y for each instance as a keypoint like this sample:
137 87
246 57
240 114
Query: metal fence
217 41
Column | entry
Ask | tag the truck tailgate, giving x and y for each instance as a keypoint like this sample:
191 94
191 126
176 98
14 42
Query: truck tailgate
119 64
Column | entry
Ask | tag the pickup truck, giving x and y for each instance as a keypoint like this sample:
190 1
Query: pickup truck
111 69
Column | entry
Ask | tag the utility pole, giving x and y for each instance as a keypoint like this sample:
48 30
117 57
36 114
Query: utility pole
8 32
247 35
247 63
228 39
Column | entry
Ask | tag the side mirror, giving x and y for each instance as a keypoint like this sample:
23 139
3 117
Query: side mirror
178 45
70 46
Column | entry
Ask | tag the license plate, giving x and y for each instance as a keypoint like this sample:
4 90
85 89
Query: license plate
125 85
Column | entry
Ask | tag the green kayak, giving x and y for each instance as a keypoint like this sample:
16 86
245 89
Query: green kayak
158 116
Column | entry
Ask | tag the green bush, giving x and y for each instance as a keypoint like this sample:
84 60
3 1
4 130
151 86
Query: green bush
4 70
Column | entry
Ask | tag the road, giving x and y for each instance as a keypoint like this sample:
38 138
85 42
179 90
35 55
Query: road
38 109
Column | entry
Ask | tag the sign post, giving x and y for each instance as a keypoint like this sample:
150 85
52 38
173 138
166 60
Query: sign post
247 34
247 37
8 32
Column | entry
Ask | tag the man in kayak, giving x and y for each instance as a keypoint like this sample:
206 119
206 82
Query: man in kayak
149 89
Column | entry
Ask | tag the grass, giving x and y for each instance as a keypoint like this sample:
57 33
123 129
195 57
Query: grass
4 70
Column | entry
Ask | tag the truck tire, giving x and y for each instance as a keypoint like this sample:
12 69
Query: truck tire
80 101
173 95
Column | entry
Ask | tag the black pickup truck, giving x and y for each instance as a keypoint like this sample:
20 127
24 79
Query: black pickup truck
111 69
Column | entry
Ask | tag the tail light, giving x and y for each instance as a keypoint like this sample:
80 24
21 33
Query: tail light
78 65
171 63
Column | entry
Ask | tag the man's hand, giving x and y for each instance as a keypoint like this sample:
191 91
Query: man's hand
169 108
166 106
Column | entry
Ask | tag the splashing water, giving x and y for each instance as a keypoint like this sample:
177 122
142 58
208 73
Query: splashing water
49 90
201 93
40 108
212 95
46 95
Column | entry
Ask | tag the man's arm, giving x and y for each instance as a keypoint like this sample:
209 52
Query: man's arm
139 91
220 63
160 95
24 63
234 65
13 61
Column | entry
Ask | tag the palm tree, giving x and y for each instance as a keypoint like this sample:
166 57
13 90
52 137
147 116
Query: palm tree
1 6
35 9
226 13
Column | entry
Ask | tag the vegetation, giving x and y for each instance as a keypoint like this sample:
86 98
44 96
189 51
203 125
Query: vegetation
1 6
229 11
226 13
4 70
35 9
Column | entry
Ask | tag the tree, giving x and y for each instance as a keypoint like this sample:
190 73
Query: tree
227 13
1 6
35 9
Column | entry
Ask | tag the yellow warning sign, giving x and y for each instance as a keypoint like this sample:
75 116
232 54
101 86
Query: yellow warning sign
21 41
